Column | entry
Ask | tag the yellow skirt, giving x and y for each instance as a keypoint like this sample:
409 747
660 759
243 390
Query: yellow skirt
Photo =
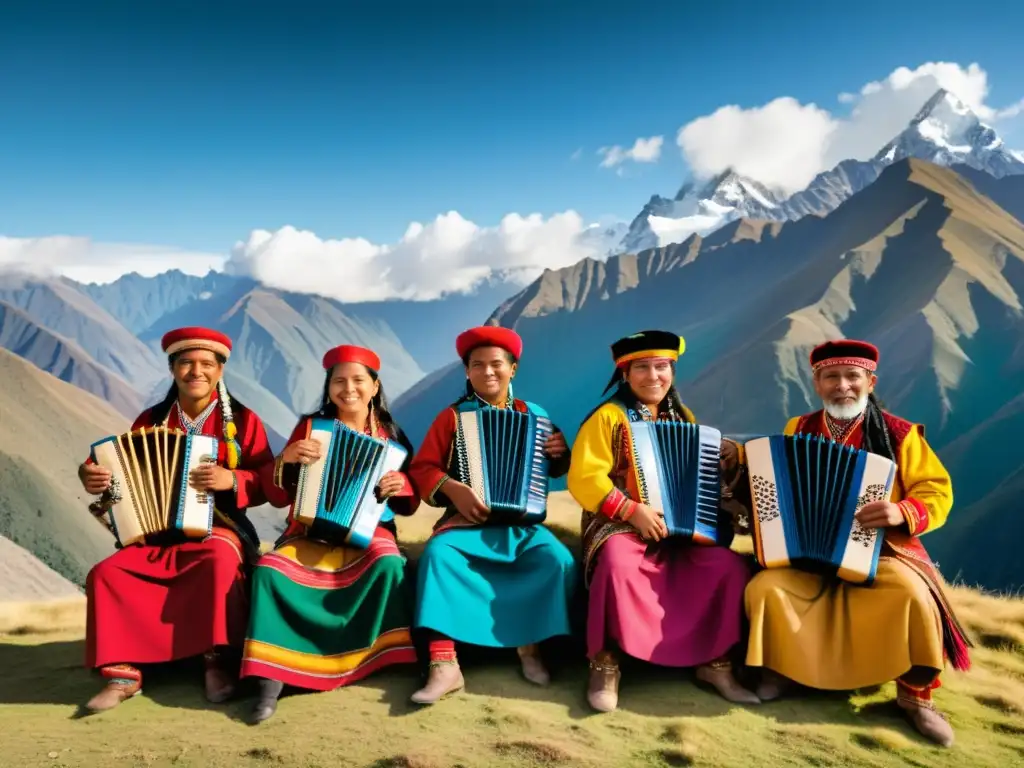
849 637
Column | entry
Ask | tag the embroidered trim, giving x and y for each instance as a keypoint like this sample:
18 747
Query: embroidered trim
194 427
916 515
432 498
861 362
627 510
840 431
279 472
613 503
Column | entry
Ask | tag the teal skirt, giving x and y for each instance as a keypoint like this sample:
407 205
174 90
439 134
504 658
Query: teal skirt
496 586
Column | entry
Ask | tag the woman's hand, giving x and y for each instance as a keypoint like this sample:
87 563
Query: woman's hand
301 452
465 500
649 523
390 484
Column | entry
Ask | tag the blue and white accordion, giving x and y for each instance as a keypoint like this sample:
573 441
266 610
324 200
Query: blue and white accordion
501 457
805 491
677 473
335 497
149 491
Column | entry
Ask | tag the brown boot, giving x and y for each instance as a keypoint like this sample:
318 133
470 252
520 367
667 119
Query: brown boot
533 666
445 677
603 686
123 682
113 693
719 674
773 685
929 722
219 683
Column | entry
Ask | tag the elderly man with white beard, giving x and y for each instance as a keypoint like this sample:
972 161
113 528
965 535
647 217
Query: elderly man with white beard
832 635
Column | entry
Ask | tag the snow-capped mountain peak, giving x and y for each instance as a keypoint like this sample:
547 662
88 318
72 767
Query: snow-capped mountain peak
946 131
699 209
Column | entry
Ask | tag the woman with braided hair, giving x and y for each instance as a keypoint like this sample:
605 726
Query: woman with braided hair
658 599
168 598
839 636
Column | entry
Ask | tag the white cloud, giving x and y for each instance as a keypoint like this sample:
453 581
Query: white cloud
577 154
784 143
81 259
447 255
643 151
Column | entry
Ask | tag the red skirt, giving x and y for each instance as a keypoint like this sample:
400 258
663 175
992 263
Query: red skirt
149 604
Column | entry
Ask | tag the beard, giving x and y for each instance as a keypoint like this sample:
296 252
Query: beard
846 412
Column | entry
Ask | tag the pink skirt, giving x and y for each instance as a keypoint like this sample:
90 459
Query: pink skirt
673 604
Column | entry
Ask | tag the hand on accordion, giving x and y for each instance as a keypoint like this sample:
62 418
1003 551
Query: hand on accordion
649 523
95 479
466 501
390 484
880 514
211 477
555 446
301 452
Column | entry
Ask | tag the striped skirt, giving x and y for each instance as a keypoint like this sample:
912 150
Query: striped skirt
323 617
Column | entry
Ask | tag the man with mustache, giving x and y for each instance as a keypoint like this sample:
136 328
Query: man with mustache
844 636
172 598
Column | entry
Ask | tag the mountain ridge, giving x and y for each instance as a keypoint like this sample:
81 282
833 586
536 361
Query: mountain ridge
920 262
930 135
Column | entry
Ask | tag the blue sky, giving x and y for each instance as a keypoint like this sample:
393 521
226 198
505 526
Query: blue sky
192 127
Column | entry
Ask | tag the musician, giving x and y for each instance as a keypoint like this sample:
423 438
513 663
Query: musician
838 636
169 598
496 585
324 614
668 602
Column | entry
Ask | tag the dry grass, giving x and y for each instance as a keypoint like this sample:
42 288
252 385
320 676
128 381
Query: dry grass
500 720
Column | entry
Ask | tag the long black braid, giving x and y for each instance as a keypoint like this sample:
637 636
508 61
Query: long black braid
876 439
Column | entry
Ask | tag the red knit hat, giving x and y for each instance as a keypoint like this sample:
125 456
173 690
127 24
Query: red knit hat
349 353
489 336
845 352
183 339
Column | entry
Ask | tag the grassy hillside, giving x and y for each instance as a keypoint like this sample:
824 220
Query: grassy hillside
46 427
500 720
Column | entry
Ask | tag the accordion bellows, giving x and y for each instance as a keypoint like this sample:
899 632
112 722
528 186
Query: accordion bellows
504 461
805 491
335 497
149 487
677 472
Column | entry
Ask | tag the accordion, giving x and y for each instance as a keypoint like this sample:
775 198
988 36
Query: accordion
149 489
335 497
501 457
677 473
805 491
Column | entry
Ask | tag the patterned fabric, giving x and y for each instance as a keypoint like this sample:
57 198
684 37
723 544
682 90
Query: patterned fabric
323 616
